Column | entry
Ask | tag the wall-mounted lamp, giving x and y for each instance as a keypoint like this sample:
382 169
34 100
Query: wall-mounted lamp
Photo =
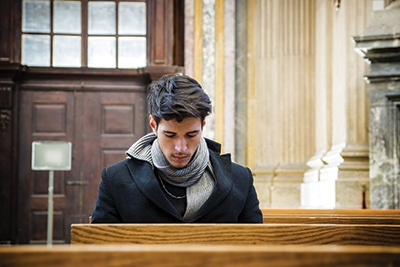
336 4
51 156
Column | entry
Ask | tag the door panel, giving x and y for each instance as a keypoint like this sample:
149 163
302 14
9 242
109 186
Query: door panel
43 116
113 121
100 126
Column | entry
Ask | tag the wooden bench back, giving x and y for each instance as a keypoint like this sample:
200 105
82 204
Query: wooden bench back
197 255
244 234
322 216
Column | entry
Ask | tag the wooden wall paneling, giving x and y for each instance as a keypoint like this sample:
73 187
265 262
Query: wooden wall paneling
7 120
160 32
5 21
9 16
179 35
166 17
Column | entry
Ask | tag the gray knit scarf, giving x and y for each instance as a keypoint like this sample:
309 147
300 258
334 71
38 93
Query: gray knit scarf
196 177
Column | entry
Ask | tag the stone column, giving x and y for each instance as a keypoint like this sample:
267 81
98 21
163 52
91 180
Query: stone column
280 120
380 47
338 171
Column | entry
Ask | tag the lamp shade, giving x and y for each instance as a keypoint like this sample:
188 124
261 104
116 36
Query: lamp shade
51 155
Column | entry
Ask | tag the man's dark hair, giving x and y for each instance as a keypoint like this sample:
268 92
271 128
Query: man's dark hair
176 97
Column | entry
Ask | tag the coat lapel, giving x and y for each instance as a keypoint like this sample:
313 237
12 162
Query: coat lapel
143 176
223 173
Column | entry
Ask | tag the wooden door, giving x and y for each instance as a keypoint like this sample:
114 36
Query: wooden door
100 126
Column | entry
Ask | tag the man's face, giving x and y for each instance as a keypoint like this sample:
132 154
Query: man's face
178 140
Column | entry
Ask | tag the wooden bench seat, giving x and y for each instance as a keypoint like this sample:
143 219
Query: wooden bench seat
197 255
334 216
245 234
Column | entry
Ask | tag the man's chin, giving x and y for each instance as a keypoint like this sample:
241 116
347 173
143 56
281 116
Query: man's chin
179 165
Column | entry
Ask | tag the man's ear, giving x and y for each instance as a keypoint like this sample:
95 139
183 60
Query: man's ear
153 124
203 124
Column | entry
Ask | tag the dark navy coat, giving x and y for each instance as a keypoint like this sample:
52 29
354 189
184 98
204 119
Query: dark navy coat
129 192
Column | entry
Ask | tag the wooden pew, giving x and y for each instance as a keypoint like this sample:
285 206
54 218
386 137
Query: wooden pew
334 216
197 255
243 234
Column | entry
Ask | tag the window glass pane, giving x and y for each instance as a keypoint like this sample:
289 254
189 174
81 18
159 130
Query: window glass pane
35 50
58 42
131 52
67 17
36 16
101 52
101 17
66 51
132 18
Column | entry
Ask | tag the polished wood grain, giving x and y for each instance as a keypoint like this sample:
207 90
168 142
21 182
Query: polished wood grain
331 216
244 234
197 255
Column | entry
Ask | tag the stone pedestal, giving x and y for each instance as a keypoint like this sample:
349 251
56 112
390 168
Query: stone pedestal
380 46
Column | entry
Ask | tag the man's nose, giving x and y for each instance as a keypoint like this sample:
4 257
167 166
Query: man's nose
180 145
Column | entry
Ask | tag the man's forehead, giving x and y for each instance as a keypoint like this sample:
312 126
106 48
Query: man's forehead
189 124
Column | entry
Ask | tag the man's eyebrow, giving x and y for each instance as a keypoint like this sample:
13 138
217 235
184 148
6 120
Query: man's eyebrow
168 132
194 131
191 132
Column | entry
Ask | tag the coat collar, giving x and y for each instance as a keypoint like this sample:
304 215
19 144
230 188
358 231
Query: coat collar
214 146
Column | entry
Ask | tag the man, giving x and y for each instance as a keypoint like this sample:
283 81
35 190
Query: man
174 174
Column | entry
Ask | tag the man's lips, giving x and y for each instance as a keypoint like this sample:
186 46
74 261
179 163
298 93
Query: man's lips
179 157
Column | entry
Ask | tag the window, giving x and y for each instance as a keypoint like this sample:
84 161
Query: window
94 34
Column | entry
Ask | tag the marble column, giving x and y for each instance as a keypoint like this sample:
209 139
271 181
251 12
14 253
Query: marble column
379 45
210 39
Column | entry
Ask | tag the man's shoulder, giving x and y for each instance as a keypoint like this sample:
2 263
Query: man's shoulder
238 168
224 162
116 168
123 164
123 170
215 149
